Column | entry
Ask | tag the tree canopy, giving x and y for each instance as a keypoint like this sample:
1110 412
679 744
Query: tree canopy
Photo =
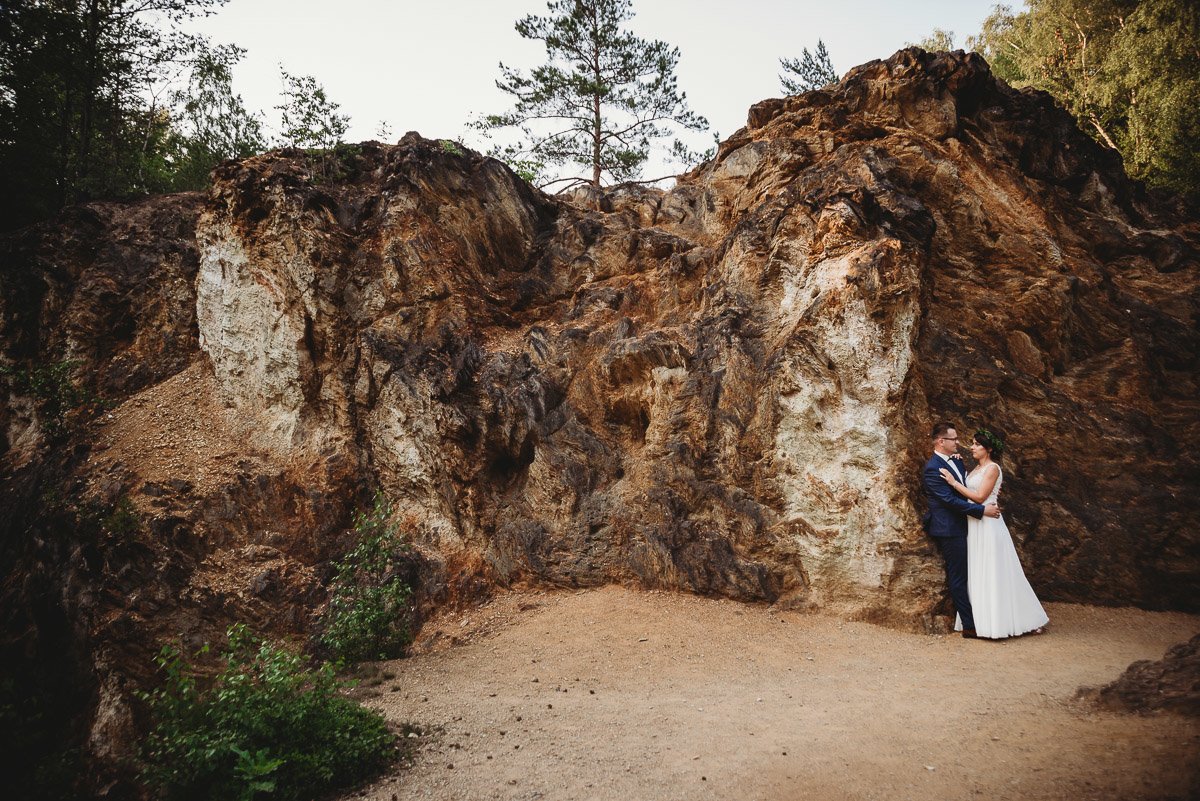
810 71
113 98
309 117
601 100
211 123
1128 70
940 39
80 89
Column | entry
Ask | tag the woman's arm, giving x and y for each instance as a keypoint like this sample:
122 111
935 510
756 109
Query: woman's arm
978 495
939 489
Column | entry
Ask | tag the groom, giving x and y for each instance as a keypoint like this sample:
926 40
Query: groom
946 520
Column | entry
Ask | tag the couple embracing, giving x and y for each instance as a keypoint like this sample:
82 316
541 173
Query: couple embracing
989 589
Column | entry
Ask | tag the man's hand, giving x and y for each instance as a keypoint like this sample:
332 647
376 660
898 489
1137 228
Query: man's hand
991 510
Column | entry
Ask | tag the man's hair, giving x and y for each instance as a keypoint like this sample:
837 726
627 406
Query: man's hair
940 429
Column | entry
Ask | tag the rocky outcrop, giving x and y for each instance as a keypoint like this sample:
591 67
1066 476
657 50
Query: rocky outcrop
1172 684
108 288
725 388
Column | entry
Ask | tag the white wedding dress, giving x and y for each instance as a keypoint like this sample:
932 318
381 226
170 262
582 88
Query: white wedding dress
1002 602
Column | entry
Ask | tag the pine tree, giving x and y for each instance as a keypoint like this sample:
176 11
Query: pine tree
600 101
810 71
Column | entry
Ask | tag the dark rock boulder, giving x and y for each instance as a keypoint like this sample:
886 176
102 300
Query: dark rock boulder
1172 684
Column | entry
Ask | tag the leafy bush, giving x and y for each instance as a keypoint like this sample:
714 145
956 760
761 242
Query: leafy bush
264 724
369 613
91 517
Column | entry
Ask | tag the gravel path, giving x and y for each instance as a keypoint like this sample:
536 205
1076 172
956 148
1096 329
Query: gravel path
618 694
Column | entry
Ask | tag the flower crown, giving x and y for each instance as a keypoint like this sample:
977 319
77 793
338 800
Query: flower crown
985 437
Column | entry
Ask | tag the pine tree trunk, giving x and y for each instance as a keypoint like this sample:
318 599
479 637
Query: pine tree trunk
596 105
596 142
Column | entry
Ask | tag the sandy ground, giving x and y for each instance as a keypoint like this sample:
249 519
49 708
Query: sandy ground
618 694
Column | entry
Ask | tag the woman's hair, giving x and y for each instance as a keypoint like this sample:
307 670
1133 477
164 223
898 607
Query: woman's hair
992 441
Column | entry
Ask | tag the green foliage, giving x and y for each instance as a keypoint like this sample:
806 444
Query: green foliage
938 41
998 41
122 519
1128 70
211 124
91 517
810 71
264 724
600 101
530 170
254 771
369 607
327 166
79 89
60 401
309 117
1151 81
309 120
451 147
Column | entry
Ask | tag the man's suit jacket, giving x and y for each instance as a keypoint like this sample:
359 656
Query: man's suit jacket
947 515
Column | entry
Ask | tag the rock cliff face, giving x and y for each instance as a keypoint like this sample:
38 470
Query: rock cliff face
725 388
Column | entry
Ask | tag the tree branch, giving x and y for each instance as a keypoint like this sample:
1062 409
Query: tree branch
561 180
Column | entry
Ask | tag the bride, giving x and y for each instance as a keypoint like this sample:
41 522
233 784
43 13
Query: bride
1004 604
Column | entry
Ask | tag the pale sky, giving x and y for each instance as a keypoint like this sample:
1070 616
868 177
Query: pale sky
430 66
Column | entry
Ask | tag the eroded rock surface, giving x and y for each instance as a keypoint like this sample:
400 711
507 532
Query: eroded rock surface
725 388
1171 684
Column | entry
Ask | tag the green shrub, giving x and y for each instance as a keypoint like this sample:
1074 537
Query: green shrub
369 607
123 518
93 518
59 399
264 724
451 147
333 164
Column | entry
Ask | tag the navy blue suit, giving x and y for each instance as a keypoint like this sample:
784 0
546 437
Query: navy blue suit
946 522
